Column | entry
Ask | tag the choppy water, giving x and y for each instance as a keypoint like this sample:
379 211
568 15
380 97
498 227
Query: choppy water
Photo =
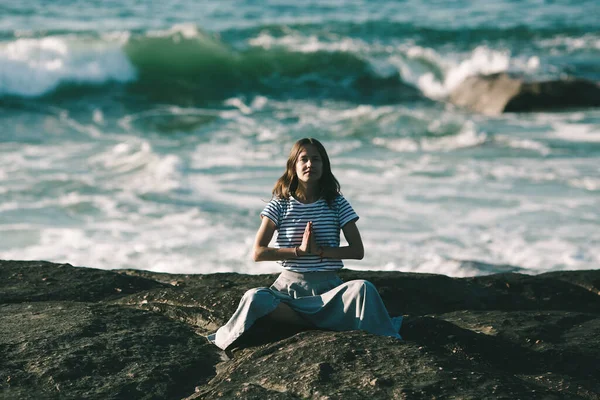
149 135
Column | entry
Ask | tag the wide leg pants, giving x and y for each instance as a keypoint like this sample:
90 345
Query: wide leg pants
321 298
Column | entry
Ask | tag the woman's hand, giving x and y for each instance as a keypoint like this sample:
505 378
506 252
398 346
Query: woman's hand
309 245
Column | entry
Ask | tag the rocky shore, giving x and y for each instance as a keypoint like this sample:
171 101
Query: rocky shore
72 333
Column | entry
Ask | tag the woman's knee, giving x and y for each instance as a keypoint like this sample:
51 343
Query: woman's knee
257 294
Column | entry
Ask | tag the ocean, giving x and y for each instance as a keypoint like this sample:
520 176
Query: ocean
148 135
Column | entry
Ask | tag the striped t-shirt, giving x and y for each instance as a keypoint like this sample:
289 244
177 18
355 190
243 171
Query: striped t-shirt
290 218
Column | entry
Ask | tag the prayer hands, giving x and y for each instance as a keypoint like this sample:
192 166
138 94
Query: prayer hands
309 245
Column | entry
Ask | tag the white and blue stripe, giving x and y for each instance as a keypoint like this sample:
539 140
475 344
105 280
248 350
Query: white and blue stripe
290 218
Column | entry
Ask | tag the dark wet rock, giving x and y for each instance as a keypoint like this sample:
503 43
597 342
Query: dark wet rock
498 93
66 332
44 281
60 338
82 350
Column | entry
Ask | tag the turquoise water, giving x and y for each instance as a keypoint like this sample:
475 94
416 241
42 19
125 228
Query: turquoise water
149 135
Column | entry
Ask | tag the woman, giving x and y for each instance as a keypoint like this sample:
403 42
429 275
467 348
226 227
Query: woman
308 212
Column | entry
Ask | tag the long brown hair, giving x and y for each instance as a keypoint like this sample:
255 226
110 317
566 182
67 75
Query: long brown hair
288 183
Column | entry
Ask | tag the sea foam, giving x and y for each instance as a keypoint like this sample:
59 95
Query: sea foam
34 67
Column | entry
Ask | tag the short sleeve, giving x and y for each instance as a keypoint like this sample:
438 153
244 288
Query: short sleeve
273 211
345 211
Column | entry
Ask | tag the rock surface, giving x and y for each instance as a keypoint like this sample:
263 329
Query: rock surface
68 332
498 93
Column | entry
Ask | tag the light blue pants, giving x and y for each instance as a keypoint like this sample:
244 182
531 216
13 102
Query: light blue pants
321 298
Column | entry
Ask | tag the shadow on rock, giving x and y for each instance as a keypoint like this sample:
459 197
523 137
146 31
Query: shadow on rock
488 347
264 331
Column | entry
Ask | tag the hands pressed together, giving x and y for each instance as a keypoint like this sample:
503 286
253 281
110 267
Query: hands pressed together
309 244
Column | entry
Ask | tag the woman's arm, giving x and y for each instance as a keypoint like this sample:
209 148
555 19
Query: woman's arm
261 250
354 250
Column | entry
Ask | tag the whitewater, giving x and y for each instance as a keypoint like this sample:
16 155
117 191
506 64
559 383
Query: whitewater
150 137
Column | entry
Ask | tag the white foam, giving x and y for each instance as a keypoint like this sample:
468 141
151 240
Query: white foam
135 166
178 243
525 144
296 41
34 67
400 145
588 183
576 132
533 62
186 30
468 136
98 117
438 246
239 104
416 64
588 41
482 61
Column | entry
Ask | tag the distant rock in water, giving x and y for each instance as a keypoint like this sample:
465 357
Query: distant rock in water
498 93
75 333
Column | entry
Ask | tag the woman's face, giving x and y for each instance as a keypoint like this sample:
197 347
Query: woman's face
309 165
